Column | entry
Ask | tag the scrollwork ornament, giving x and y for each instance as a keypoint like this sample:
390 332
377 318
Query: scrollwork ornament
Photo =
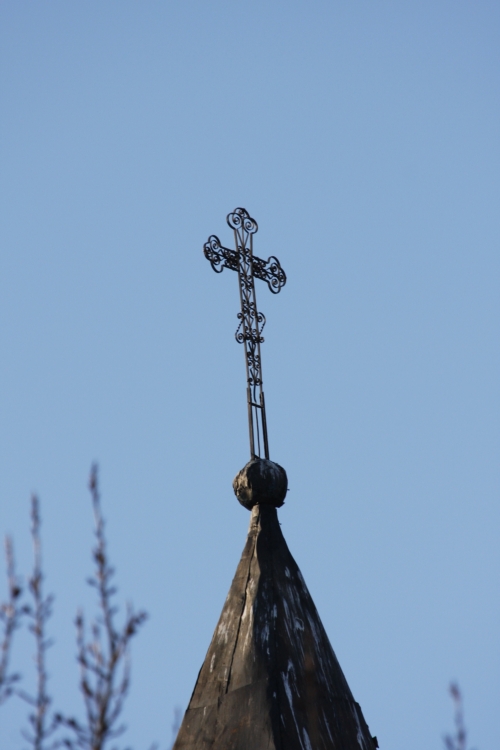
276 277
241 219
213 253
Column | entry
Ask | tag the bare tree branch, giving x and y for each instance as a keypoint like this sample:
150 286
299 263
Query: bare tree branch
105 659
458 741
41 728
176 724
11 613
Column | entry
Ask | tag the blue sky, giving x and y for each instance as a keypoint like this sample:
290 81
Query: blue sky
364 139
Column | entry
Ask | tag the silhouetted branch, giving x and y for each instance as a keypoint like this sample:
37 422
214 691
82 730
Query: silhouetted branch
10 618
104 660
39 613
176 724
458 741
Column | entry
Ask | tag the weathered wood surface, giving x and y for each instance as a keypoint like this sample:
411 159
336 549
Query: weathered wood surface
270 680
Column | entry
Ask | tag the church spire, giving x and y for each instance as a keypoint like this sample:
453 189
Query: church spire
270 679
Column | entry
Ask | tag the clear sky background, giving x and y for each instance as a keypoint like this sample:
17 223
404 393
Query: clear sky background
364 137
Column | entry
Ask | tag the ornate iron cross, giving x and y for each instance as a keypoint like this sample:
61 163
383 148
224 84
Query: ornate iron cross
249 331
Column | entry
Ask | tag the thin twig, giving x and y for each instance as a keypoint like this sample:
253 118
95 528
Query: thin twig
10 618
458 741
176 724
39 613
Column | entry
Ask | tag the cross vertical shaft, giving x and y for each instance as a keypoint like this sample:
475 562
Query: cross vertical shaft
249 332
251 325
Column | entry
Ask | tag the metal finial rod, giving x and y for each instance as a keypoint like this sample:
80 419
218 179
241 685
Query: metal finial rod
252 322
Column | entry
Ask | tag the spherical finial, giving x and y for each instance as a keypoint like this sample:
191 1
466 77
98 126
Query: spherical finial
261 481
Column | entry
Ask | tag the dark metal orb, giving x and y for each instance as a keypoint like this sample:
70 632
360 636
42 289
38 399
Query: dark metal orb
261 481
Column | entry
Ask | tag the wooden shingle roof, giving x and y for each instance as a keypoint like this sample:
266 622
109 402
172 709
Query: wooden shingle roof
270 679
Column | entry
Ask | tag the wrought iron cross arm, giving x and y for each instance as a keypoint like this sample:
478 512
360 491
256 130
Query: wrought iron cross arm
221 257
269 271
